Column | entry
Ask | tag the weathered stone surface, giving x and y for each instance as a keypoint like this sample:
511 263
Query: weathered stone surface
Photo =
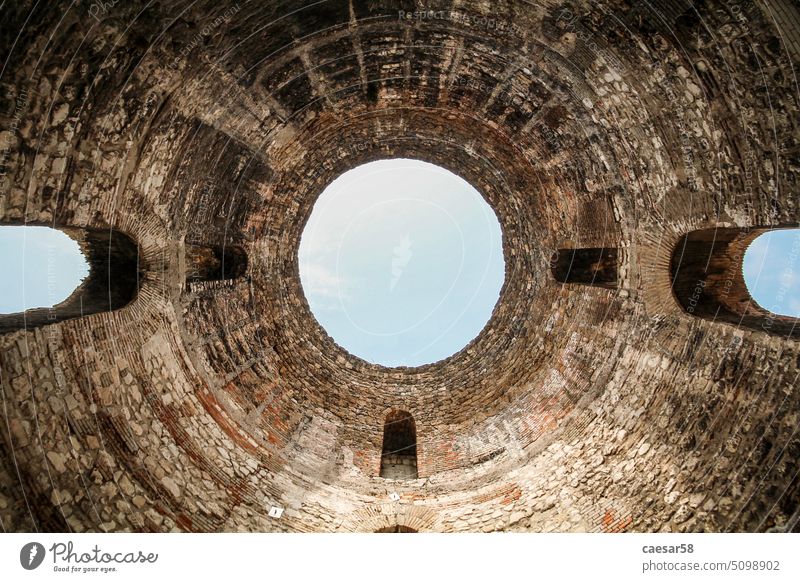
204 403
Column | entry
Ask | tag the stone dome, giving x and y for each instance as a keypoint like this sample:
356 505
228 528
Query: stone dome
641 144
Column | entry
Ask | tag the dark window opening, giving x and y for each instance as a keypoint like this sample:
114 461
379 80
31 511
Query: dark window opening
591 266
707 280
112 282
372 91
214 263
399 455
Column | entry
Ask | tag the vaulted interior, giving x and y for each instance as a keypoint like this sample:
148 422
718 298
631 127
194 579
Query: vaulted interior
197 136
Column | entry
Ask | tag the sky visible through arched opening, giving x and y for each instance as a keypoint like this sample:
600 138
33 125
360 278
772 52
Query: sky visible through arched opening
771 271
40 267
401 262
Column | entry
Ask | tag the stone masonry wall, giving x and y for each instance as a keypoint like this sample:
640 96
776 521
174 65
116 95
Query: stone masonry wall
584 124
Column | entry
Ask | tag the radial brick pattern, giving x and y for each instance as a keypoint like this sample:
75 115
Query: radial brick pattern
204 131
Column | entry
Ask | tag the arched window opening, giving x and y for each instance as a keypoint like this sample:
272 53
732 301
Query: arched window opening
214 263
708 280
41 267
399 455
83 270
590 266
396 529
771 271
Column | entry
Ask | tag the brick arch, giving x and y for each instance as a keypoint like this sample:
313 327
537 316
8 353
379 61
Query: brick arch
392 515
115 274
707 280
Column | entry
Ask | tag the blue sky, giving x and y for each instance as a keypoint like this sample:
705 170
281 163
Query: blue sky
772 271
40 267
401 262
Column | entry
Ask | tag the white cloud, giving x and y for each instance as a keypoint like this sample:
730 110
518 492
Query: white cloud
401 256
322 287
